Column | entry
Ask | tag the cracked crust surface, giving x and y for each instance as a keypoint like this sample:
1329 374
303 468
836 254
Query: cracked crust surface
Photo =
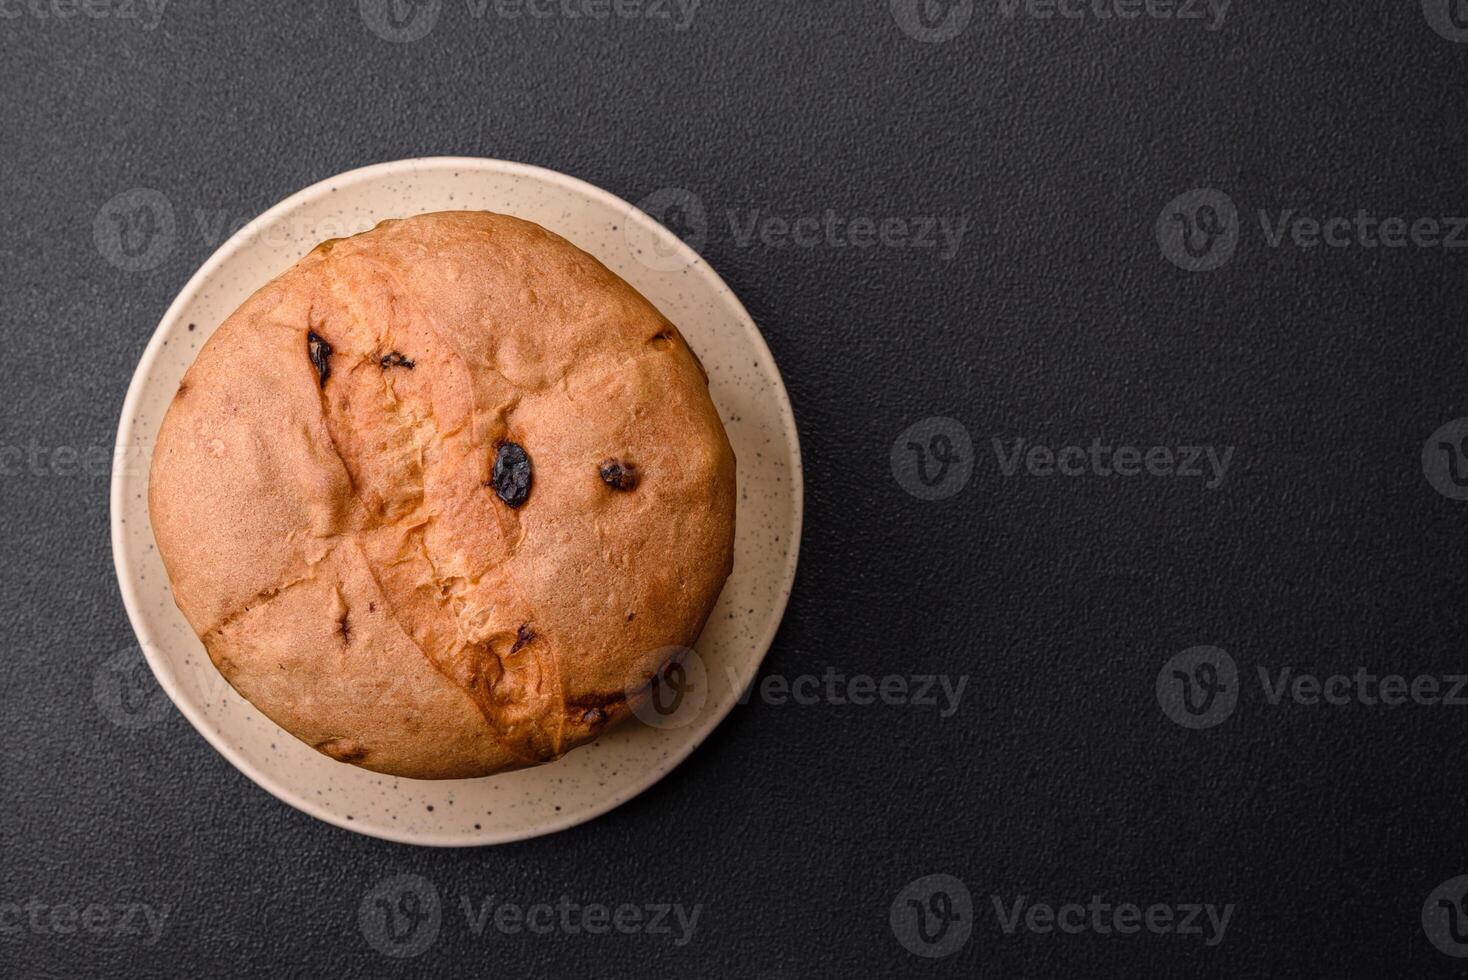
321 496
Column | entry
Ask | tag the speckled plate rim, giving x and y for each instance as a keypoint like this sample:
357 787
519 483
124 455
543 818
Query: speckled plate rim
129 589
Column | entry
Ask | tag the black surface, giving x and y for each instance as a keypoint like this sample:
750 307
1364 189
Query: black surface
1057 320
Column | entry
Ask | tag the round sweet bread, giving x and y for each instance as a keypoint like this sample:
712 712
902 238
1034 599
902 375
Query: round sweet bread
445 497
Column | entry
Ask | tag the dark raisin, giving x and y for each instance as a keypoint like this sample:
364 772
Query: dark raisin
522 636
512 474
617 474
320 353
394 359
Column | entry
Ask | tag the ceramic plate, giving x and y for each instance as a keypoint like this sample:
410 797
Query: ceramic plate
746 387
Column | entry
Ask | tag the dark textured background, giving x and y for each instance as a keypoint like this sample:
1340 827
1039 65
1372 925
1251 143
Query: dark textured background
1057 320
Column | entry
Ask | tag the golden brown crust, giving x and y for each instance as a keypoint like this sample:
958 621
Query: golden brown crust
338 546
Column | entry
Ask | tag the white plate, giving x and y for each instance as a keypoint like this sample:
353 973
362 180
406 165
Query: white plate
745 384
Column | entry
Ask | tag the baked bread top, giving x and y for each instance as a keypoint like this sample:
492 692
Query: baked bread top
445 496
